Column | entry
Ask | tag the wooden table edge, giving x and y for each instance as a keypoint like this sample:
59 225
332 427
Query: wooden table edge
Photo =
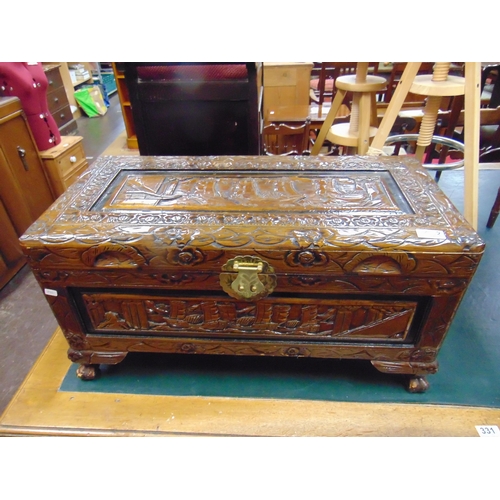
40 409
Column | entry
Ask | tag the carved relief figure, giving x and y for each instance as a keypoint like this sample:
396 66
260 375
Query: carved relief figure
269 192
349 318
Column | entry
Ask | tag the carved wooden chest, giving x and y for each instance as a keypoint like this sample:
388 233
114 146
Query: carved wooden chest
347 257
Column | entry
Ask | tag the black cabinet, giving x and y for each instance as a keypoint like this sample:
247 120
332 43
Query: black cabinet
196 109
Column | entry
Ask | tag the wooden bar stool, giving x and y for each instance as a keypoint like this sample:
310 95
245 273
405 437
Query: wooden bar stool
362 125
470 87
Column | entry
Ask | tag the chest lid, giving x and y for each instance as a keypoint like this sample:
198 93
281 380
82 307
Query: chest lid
302 206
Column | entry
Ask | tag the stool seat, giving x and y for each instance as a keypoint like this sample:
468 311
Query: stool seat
371 84
341 133
452 86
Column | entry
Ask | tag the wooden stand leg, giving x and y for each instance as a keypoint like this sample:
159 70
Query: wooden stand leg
89 361
418 384
494 211
471 141
364 123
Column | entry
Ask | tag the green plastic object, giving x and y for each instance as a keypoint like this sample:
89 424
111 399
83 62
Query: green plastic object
91 101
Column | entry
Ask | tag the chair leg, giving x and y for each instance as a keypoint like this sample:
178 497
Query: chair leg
494 211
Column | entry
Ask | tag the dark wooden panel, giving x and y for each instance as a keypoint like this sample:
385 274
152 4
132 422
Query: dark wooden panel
201 118
277 319
62 116
57 100
54 79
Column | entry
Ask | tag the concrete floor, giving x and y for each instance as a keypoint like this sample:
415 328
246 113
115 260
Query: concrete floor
26 321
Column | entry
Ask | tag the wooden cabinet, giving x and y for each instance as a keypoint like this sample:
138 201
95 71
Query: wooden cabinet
64 163
70 85
11 255
121 87
24 189
286 84
195 109
58 100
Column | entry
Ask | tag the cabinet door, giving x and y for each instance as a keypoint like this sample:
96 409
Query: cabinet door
11 255
24 189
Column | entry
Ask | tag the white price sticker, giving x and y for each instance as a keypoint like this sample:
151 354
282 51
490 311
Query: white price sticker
431 234
488 430
49 291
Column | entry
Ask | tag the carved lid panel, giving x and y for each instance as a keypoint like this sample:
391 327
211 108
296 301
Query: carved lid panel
267 204
352 192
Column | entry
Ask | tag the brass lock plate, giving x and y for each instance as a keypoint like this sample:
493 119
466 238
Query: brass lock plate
247 278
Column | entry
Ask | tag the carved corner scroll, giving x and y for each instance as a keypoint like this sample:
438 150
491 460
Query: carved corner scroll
112 255
381 263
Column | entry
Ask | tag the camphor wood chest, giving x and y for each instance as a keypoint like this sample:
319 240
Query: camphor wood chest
347 257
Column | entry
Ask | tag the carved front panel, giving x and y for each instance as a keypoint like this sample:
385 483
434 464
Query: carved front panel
280 318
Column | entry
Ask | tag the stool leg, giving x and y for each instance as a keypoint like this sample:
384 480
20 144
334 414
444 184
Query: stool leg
364 123
373 111
395 105
330 117
494 211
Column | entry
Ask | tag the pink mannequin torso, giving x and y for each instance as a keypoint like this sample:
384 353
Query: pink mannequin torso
28 82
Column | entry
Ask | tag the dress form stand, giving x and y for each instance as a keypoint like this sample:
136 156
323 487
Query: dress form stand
436 86
362 125
28 82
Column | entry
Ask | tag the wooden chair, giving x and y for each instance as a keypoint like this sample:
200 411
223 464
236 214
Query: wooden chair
490 87
323 86
494 211
323 77
286 140
489 131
